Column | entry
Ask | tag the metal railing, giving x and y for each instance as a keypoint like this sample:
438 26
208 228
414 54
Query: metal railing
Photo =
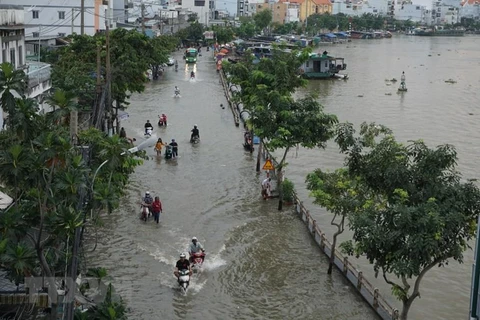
370 293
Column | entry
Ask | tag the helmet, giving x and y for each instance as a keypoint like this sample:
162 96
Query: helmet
147 192
182 255
173 140
195 126
194 239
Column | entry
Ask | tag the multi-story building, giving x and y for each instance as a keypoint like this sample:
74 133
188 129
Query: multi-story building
470 9
278 9
200 7
309 7
358 8
293 11
12 38
412 12
445 12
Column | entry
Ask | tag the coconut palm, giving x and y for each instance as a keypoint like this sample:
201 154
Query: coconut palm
19 259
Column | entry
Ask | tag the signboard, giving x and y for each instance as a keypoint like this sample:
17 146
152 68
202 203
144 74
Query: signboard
268 165
208 35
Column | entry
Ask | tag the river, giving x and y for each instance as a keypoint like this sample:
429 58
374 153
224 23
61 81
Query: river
261 263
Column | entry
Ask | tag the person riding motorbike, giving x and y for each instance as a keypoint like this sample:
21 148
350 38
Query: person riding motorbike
176 65
195 133
177 91
182 264
147 126
162 120
147 201
192 74
196 247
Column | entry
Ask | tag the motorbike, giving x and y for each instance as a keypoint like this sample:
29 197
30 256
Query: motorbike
145 212
176 67
168 152
248 144
198 258
148 132
162 121
184 280
177 93
192 75
195 139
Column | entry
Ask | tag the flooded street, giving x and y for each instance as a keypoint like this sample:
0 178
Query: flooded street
260 264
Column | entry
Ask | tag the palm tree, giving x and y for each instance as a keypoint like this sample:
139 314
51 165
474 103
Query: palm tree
20 261
13 84
63 103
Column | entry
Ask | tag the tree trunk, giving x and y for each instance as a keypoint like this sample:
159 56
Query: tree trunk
259 155
340 228
406 307
280 188
52 288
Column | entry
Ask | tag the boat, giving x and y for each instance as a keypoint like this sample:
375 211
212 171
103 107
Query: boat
439 31
323 66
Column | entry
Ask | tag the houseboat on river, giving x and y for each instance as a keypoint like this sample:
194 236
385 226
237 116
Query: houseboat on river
323 66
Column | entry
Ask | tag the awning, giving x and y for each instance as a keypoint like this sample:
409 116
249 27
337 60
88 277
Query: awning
330 35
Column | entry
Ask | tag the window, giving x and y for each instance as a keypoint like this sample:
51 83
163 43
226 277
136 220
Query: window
36 34
20 55
12 57
199 3
35 14
4 55
61 15
62 34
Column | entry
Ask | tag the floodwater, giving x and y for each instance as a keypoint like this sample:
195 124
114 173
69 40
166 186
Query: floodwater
432 110
261 263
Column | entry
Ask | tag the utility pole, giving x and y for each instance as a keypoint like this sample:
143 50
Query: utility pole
474 293
108 107
82 17
73 19
142 8
39 41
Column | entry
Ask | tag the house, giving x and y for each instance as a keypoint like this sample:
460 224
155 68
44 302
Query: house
309 7
12 37
470 9
278 9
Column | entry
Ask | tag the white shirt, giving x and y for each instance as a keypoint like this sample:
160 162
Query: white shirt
266 183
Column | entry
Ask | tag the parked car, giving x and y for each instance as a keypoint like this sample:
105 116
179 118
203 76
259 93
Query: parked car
171 61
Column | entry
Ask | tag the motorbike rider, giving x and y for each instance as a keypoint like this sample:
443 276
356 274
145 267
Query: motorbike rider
192 74
147 126
195 133
174 146
196 247
147 201
177 91
182 264
176 65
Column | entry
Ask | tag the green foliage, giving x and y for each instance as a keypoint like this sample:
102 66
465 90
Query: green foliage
411 210
46 175
131 54
246 30
192 33
263 18
223 34
288 190
112 308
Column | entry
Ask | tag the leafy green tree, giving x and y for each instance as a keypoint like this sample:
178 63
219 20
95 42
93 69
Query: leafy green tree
263 18
223 34
45 174
279 120
246 30
412 211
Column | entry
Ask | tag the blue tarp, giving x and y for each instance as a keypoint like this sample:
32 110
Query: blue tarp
330 35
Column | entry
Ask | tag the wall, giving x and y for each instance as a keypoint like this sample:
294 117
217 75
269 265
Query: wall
200 7
45 13
411 12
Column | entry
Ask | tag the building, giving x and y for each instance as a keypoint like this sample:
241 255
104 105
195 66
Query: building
360 7
278 9
59 18
309 7
12 35
470 9
445 12
201 8
12 38
412 12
